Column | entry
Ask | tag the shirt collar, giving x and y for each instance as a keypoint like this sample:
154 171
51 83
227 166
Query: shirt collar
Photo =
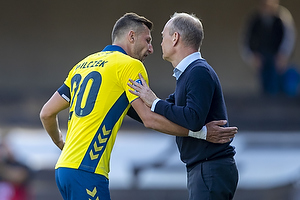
114 48
184 63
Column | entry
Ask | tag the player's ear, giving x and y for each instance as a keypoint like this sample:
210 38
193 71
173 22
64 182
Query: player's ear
131 36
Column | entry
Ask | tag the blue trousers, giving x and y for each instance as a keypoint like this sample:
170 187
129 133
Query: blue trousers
75 184
271 78
213 180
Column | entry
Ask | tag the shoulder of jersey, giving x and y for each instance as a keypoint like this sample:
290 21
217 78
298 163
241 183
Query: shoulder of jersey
126 58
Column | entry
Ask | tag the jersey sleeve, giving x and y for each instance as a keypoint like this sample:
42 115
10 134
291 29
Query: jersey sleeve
67 81
65 89
132 72
64 92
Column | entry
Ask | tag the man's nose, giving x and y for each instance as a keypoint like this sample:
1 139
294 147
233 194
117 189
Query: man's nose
150 49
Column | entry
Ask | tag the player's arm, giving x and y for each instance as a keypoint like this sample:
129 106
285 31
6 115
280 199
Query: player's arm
155 121
132 114
48 116
215 132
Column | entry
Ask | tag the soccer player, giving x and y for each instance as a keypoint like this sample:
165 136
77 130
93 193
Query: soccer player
98 98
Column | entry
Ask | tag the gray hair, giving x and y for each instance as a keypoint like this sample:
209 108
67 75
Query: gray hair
189 28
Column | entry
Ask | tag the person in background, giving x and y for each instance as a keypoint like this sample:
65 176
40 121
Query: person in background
14 175
267 45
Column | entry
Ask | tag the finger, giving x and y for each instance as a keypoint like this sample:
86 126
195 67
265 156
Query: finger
131 81
228 137
131 85
234 130
221 122
134 92
141 76
222 141
142 79
231 129
227 134
225 141
228 129
135 88
135 83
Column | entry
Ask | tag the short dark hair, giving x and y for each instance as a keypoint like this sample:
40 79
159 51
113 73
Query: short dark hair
130 20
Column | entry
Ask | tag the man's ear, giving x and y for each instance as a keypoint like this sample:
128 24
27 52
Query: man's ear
131 36
175 38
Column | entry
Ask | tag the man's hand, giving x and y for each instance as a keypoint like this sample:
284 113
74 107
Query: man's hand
216 133
142 90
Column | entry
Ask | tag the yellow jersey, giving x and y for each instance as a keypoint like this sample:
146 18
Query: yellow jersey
99 98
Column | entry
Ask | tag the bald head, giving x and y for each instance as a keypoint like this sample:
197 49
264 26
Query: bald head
269 7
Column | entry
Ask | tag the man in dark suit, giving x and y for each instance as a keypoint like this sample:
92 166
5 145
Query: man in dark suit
197 100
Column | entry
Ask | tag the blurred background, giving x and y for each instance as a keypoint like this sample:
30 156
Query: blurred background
40 41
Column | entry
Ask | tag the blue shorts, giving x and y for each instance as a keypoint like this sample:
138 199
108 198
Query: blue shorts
75 184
